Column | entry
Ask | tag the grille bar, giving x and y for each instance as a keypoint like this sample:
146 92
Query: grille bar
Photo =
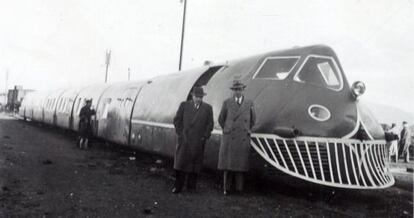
353 165
271 151
360 165
377 165
280 153
384 159
310 160
320 162
337 163
301 159
329 162
364 162
290 156
372 166
383 165
261 146
344 163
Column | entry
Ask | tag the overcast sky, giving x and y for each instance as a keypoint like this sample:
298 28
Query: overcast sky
47 44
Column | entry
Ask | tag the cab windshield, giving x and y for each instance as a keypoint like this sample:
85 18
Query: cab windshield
321 71
276 68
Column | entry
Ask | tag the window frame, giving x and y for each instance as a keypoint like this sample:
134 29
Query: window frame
341 81
272 58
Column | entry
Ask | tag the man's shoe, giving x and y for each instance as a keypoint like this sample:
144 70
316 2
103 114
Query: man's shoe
176 190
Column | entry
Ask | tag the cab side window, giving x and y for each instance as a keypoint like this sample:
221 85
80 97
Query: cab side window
320 71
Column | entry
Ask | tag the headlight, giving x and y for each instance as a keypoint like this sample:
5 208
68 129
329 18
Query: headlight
358 88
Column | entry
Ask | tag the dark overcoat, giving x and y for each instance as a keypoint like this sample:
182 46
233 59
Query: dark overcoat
236 121
85 128
405 141
193 127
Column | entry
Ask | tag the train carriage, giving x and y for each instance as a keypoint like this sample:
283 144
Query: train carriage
152 129
93 92
52 102
33 108
64 118
114 111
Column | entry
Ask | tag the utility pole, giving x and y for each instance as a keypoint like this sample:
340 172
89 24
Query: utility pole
107 62
129 74
182 34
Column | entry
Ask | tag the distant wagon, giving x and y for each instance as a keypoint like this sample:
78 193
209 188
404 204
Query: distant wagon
310 123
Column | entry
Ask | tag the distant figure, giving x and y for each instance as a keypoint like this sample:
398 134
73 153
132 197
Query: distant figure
193 125
85 128
17 106
405 141
237 117
393 138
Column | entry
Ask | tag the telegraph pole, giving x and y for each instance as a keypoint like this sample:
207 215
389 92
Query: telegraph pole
182 34
107 62
129 74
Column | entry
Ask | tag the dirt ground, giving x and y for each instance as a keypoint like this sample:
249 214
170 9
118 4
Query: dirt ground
43 174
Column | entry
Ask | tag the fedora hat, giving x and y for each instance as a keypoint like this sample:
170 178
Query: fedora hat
237 84
198 91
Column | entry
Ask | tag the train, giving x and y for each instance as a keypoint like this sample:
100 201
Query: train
311 123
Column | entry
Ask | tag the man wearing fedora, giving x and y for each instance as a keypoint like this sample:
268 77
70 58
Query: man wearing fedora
85 128
237 117
193 125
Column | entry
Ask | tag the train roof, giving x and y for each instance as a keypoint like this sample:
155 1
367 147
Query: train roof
294 51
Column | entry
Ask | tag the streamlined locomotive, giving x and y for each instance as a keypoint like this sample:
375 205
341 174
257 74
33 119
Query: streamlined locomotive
310 123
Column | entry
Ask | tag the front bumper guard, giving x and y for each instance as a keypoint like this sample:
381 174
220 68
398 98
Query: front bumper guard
341 163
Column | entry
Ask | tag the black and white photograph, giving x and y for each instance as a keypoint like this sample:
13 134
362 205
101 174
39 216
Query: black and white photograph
218 108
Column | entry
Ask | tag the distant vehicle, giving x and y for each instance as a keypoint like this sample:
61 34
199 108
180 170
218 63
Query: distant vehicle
310 123
14 98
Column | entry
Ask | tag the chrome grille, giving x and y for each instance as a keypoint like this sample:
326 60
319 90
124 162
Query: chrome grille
344 163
